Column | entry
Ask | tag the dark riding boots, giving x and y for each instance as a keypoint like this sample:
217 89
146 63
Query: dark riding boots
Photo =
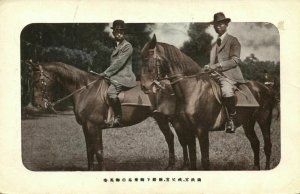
229 103
116 106
112 93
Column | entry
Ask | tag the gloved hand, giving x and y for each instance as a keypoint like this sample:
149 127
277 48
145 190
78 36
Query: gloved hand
206 68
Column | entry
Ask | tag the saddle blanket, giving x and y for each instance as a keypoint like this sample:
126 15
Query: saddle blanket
134 96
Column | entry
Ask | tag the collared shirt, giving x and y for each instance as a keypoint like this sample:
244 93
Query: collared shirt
223 36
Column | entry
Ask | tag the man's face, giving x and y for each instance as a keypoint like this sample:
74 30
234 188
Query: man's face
220 28
118 34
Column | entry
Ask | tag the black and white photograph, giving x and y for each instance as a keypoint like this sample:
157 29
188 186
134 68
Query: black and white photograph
124 97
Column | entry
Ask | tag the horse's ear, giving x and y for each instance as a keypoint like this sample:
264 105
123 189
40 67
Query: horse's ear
32 66
152 44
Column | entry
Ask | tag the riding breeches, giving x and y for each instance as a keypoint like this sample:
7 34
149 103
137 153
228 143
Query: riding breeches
227 86
114 90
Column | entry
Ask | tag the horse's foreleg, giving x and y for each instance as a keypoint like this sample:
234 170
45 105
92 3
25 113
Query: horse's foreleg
89 148
204 147
95 136
192 152
163 124
99 150
183 140
251 135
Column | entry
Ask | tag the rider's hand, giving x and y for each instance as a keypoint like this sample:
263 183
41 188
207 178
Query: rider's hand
206 68
102 74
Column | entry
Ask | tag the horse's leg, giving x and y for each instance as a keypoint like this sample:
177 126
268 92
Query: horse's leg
182 137
89 148
264 122
95 135
248 126
163 124
192 151
204 147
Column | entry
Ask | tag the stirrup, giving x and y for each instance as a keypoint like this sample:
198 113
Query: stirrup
229 126
116 122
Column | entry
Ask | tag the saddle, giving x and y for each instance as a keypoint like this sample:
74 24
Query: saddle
163 102
243 95
244 98
134 96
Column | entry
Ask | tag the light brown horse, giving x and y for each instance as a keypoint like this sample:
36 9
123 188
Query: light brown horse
197 104
91 108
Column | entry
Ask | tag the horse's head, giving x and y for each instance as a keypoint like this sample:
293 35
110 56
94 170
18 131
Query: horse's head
153 69
42 84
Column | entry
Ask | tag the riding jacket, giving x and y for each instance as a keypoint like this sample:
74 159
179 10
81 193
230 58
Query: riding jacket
120 69
227 56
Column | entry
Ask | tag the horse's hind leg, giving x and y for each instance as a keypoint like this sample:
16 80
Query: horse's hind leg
248 126
264 122
89 148
163 124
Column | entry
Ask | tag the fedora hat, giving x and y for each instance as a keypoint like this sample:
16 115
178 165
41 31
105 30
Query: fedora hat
220 17
118 25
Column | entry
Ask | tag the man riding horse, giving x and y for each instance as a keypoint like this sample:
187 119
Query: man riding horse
120 71
224 62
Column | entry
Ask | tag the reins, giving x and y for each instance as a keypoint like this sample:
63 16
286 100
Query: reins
180 76
68 96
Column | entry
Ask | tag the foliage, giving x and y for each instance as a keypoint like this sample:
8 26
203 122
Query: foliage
253 69
199 45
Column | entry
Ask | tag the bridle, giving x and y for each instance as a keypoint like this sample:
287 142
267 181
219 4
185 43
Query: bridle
173 78
43 78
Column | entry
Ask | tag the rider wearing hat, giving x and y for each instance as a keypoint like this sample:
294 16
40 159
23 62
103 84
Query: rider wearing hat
224 61
120 71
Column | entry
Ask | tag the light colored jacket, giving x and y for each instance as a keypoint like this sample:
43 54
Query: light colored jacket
228 55
120 68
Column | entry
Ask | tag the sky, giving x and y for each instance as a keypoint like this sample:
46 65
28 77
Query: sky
261 39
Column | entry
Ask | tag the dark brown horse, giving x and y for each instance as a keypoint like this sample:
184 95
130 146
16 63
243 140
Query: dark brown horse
197 104
91 108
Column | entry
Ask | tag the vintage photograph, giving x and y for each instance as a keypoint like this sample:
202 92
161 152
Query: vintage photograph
124 96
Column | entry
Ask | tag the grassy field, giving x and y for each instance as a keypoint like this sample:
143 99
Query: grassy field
56 142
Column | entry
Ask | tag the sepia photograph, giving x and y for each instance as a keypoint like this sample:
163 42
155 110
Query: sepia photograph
103 98
143 96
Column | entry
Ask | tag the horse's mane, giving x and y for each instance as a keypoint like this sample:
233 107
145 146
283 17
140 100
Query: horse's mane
179 60
68 72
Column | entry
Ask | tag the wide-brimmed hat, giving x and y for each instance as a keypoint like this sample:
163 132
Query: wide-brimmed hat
118 25
220 17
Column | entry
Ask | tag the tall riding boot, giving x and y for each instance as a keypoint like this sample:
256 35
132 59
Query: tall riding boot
116 106
230 106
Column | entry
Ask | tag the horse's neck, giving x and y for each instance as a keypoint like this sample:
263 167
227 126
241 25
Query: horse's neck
189 88
73 81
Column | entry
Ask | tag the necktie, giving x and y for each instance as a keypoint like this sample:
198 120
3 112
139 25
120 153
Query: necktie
219 41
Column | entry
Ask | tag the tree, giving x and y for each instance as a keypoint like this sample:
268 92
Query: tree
138 35
199 45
